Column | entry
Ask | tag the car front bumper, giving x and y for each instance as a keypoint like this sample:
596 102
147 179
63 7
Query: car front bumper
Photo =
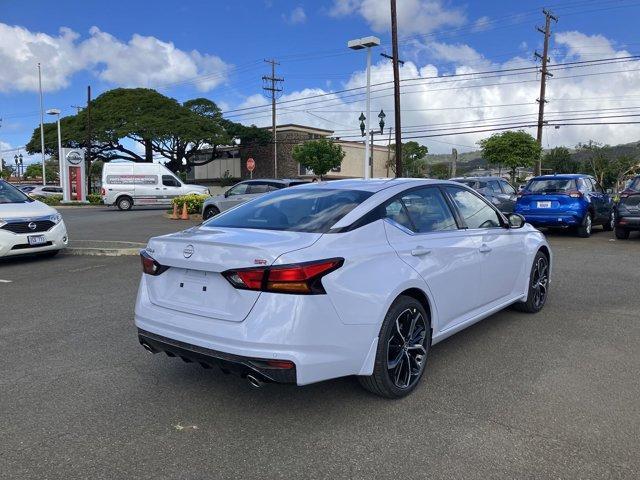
303 329
12 244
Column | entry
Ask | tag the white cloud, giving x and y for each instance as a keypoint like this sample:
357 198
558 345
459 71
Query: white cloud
414 16
296 16
481 24
435 104
142 61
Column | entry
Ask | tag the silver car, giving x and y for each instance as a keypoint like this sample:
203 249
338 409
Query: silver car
495 189
243 192
46 191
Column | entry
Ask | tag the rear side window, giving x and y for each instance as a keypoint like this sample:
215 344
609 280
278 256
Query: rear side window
313 210
551 185
258 188
506 188
475 212
494 186
425 210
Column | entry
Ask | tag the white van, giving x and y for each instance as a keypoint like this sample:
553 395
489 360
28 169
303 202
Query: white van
126 183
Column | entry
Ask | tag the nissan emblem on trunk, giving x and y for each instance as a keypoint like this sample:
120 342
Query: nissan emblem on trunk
188 251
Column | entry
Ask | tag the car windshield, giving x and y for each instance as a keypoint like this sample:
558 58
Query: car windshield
313 210
551 185
10 194
475 184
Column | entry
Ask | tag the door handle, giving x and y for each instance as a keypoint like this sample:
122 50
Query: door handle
485 248
420 251
157 188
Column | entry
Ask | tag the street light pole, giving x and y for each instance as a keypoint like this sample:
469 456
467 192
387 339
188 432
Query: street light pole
359 44
44 176
56 112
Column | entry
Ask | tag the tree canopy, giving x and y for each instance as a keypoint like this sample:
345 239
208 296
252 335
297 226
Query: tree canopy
512 149
319 155
414 163
122 117
559 160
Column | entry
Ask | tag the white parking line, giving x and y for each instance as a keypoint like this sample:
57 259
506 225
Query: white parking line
5 281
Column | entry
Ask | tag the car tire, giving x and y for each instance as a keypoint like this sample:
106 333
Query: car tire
124 203
622 233
610 225
210 212
584 230
538 286
409 356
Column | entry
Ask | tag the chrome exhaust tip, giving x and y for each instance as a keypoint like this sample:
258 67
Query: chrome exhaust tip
254 381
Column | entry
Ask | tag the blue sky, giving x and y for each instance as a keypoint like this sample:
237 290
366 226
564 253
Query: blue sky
215 49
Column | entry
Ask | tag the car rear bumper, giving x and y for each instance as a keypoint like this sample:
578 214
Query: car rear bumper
303 329
558 219
630 223
208 358
12 244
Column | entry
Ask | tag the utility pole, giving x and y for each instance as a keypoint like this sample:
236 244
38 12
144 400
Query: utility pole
454 161
271 85
389 151
88 139
396 87
44 176
543 79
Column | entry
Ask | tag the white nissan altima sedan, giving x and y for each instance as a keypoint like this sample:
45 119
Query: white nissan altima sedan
351 277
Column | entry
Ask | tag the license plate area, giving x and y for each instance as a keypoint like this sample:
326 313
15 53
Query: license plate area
35 240
545 204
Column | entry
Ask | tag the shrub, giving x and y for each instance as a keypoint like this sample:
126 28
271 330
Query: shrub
194 202
94 198
52 200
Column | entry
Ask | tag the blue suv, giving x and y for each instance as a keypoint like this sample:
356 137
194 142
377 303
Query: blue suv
576 201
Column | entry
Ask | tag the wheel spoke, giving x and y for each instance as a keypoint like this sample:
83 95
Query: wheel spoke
392 364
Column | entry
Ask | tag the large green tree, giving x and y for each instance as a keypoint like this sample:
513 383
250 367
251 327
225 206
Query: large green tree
122 117
560 160
414 163
511 149
319 155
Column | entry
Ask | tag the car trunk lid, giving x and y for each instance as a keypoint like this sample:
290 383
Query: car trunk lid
197 257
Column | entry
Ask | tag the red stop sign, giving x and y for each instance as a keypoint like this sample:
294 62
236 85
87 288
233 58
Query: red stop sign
251 164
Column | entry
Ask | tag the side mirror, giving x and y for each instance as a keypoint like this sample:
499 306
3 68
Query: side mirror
226 194
516 220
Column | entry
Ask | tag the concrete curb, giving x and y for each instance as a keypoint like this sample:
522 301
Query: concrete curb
102 252
103 248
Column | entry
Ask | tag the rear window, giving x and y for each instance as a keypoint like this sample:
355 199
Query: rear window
10 194
551 185
300 210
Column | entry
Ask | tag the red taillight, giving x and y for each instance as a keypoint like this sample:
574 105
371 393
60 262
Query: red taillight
574 194
103 192
302 278
150 266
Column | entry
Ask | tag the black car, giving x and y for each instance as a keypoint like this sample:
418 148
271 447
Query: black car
495 189
627 214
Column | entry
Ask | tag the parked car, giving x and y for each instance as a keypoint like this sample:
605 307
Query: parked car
566 201
349 277
495 189
627 211
633 186
126 183
28 226
25 188
243 192
46 191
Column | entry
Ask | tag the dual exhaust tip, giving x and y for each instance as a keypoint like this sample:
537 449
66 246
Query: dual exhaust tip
253 380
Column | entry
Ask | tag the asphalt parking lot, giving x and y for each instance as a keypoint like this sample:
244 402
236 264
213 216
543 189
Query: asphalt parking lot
552 395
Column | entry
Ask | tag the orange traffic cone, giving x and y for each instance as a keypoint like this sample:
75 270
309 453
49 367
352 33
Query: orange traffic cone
174 215
185 214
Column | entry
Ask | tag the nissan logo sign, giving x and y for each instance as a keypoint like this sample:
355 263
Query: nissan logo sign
74 157
188 251
32 226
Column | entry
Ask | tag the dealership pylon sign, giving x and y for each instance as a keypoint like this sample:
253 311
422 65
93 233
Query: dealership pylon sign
74 176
